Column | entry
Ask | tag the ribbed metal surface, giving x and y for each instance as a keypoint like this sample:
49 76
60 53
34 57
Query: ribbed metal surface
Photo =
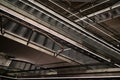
46 42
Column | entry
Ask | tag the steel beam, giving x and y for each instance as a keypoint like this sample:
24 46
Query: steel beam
98 12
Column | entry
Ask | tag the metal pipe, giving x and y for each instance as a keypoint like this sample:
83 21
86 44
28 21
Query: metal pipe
54 63
61 67
59 78
78 66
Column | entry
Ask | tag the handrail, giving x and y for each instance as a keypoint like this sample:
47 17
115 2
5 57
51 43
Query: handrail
33 29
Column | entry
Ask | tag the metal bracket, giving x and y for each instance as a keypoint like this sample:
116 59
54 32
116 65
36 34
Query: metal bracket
30 37
62 50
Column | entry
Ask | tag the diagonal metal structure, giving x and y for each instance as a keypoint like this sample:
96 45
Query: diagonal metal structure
95 38
70 41
32 25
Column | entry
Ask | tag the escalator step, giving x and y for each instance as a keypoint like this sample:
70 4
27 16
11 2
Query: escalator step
40 39
22 31
27 33
49 44
13 1
33 36
11 26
